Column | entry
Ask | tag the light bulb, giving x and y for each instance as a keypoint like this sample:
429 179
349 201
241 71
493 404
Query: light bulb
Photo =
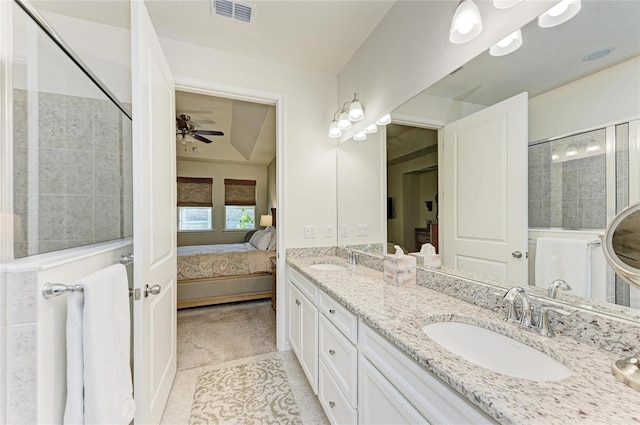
384 120
334 130
371 129
360 136
343 121
466 23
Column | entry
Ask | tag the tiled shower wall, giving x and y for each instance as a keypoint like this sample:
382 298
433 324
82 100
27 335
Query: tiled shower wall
565 192
72 172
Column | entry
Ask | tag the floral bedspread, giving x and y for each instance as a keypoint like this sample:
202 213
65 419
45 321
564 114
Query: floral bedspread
204 261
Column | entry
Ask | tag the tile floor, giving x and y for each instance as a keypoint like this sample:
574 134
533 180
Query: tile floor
250 318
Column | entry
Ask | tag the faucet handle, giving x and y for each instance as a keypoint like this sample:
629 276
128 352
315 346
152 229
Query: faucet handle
543 327
510 296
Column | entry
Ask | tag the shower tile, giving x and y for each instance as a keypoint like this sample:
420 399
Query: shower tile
555 185
107 174
569 184
591 183
51 217
569 213
79 218
80 172
535 158
20 122
22 374
106 127
554 209
546 157
21 295
52 171
52 123
21 218
107 218
535 186
20 249
536 214
20 169
79 123
592 213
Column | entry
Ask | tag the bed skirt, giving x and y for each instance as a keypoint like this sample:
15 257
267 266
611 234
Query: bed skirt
208 291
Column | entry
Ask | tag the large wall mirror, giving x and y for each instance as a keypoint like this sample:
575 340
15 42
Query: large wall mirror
579 85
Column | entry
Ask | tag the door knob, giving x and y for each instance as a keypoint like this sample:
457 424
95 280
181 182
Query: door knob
153 290
516 254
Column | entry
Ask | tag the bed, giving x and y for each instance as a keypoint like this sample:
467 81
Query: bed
222 273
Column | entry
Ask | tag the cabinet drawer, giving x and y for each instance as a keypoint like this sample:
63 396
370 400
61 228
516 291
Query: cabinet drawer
307 288
435 400
342 318
335 405
341 359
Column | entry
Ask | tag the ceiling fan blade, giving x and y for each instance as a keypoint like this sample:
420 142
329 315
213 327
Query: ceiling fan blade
202 139
209 132
182 123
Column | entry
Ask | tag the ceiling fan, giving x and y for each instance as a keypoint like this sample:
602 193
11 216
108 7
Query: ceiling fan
185 127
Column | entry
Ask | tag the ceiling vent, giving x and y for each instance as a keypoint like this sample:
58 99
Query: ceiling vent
229 9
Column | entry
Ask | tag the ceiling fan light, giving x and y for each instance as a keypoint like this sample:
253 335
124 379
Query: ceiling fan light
371 129
505 4
507 45
560 13
343 121
334 130
384 120
466 23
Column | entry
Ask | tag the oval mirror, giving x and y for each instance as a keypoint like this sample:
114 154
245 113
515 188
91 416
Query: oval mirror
621 246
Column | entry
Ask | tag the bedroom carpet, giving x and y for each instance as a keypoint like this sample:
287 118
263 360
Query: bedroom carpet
219 333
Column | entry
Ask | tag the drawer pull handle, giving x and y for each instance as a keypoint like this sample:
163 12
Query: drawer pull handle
332 404
332 311
297 301
332 352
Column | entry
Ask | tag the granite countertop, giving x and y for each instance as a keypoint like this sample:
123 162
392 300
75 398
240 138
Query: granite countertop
590 395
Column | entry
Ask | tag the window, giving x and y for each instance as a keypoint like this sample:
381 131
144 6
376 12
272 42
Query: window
239 217
240 204
194 218
195 204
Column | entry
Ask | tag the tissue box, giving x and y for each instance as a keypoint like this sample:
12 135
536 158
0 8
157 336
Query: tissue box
400 271
432 261
419 257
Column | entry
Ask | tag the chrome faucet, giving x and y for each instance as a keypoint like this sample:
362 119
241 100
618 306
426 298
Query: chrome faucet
555 286
526 318
352 257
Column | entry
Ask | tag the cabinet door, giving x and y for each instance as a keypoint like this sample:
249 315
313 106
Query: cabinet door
379 402
309 341
293 317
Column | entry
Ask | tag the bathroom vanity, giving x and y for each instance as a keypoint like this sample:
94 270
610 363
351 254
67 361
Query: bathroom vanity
364 351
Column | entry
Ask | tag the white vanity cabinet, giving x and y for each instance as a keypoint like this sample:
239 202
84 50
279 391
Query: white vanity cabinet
302 327
393 388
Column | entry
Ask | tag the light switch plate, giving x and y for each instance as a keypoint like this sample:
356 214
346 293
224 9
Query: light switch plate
329 231
362 230
309 232
344 230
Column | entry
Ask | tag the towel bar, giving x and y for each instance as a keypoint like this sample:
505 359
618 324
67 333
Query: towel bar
592 243
50 290
126 259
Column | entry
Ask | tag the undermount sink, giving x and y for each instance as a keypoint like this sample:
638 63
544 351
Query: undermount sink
496 352
327 266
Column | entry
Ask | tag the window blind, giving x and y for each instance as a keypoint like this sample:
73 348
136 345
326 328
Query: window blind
195 192
239 192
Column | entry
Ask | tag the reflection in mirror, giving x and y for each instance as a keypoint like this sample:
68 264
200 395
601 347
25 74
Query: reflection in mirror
583 137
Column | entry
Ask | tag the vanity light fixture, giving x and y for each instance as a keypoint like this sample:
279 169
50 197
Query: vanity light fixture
334 130
505 4
343 121
360 136
349 113
507 45
384 120
355 110
593 145
571 151
560 13
371 129
466 23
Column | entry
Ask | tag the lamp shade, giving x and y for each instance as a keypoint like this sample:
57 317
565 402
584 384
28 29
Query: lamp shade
384 120
507 45
355 111
560 13
334 130
359 136
266 220
370 129
505 4
343 121
466 24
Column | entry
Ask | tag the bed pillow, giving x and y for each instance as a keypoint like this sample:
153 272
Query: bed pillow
254 236
248 235
262 240
273 245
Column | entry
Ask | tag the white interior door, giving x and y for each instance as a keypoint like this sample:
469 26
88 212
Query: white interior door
154 191
483 220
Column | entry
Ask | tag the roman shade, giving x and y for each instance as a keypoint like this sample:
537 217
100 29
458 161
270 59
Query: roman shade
239 192
195 192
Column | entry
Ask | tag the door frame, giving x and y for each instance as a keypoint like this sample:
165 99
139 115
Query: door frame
212 88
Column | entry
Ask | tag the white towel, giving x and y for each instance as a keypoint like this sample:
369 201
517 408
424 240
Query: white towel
566 259
99 387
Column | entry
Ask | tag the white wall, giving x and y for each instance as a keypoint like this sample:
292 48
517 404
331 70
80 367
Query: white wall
410 50
308 155
219 172
606 97
434 110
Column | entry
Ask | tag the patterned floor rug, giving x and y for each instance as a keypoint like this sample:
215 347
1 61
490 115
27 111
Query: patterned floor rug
252 393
